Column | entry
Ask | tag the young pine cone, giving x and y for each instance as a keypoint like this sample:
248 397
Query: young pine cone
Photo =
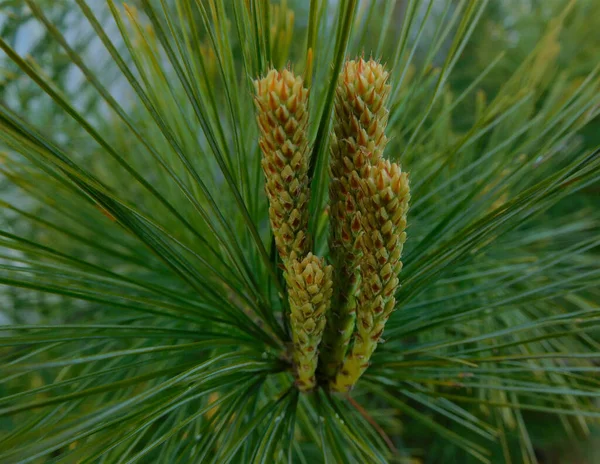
282 114
358 141
383 208
361 117
310 288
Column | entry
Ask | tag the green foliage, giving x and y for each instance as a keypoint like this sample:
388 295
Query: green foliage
145 308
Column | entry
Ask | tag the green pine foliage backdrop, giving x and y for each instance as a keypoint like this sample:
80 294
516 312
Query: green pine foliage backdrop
142 304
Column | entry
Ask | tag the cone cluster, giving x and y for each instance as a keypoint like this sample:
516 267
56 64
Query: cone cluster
282 114
338 312
358 141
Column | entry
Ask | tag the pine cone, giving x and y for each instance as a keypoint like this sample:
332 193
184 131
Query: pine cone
361 117
358 140
310 287
282 114
383 208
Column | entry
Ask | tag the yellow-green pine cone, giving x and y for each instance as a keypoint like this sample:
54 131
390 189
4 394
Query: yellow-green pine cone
361 117
384 205
358 140
282 114
309 284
